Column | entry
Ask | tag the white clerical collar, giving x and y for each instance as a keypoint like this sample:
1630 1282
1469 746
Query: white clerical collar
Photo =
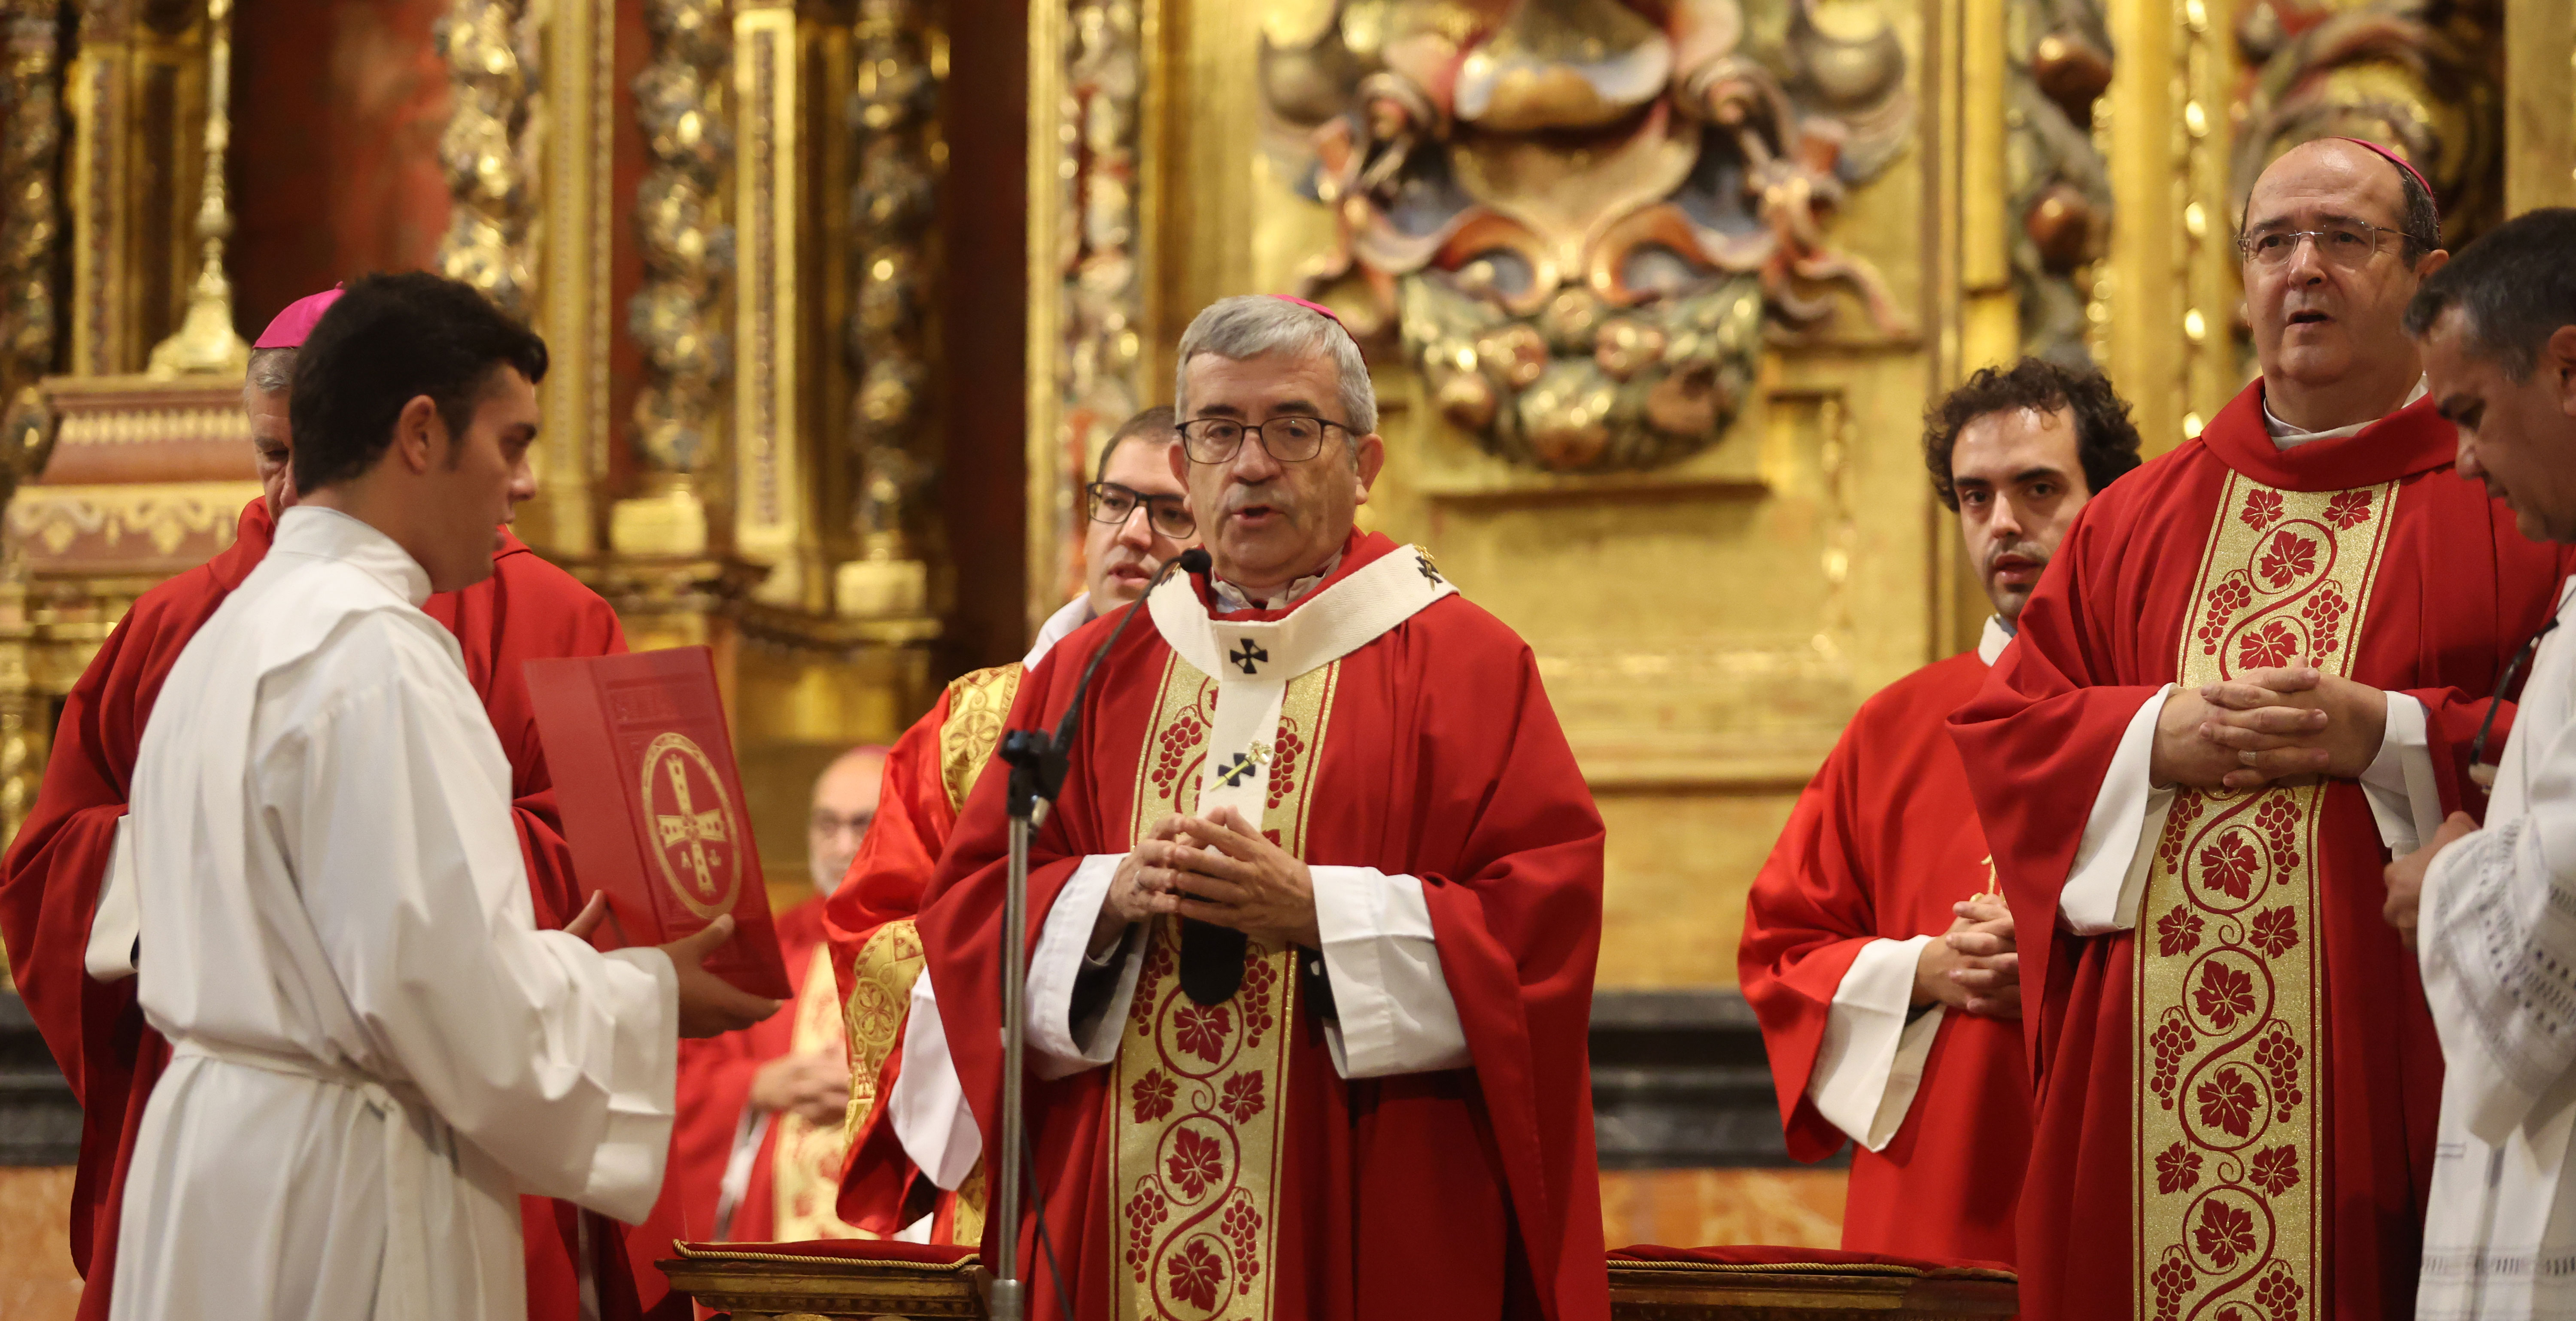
329 534
1997 636
1230 598
2285 436
1059 626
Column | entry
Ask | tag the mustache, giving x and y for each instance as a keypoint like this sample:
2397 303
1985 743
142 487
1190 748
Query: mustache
2028 550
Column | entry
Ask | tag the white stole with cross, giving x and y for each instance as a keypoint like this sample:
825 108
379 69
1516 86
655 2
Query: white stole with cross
1253 661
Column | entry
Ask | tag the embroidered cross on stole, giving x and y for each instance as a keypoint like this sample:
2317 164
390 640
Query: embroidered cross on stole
1198 1089
2226 1131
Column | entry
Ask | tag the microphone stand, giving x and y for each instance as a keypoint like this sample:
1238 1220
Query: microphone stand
1038 763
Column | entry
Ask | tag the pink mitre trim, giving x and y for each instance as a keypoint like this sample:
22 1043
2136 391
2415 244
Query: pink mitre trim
297 321
2400 162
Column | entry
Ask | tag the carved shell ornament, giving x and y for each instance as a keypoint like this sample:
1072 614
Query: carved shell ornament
1581 220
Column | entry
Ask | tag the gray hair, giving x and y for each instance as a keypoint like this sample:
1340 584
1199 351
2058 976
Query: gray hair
1249 325
272 371
2514 288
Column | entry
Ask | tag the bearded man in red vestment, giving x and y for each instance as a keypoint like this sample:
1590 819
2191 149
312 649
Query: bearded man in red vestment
1315 920
1879 1030
923 1152
51 905
2252 672
756 1150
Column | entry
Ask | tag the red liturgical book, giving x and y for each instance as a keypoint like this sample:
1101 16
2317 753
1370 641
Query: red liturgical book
652 807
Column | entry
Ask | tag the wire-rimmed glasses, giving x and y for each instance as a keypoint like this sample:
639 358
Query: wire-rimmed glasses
1169 514
2349 244
1290 439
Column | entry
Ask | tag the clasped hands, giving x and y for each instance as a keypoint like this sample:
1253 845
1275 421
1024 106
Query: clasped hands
1976 964
1217 868
2267 725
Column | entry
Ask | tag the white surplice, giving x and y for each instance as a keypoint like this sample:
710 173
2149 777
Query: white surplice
2497 940
374 1050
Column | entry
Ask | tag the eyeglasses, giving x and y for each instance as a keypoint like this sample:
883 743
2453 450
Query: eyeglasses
2348 244
1112 503
1288 439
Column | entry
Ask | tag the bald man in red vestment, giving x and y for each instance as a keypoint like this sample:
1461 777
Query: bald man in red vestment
2252 672
1879 1031
1315 920
51 910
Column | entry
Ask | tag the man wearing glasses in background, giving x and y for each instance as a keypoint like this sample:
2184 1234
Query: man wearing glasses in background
915 1160
2251 673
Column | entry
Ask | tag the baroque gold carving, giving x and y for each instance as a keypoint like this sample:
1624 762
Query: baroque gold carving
2061 185
2422 76
488 153
1583 220
165 518
681 101
894 199
206 343
31 229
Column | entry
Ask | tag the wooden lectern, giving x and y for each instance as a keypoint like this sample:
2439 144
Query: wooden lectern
843 1280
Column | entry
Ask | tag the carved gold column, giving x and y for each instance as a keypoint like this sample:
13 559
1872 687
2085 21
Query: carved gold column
1088 261
893 110
680 99
571 308
31 229
2171 284
206 343
773 492
485 150
2540 105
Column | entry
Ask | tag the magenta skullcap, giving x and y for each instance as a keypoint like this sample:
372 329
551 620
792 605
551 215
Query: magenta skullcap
2400 162
297 321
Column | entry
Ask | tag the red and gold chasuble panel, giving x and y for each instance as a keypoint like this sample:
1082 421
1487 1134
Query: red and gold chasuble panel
2227 1134
805 1164
1194 1145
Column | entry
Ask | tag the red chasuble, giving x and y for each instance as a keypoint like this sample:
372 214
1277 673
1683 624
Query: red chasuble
2235 1101
1882 843
877 948
795 1174
527 609
1220 1166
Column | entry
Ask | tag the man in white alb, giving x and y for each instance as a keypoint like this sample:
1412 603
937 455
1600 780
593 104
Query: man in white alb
2497 913
374 1050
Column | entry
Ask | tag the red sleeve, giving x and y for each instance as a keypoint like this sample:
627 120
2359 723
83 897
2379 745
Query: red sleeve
1518 927
2038 738
56 864
901 848
1806 919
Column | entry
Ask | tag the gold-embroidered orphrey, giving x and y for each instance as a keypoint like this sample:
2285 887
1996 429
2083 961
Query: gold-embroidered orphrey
1194 1148
2225 1120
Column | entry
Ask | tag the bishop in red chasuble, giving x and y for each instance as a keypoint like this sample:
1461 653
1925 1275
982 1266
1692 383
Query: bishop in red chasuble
2237 1076
1872 1035
1313 925
57 867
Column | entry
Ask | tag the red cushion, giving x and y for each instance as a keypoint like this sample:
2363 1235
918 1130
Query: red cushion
842 1249
1750 1254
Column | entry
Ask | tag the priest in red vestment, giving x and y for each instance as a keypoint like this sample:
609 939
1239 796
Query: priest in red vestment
2251 673
756 1149
51 910
922 1161
1875 1031
1314 923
